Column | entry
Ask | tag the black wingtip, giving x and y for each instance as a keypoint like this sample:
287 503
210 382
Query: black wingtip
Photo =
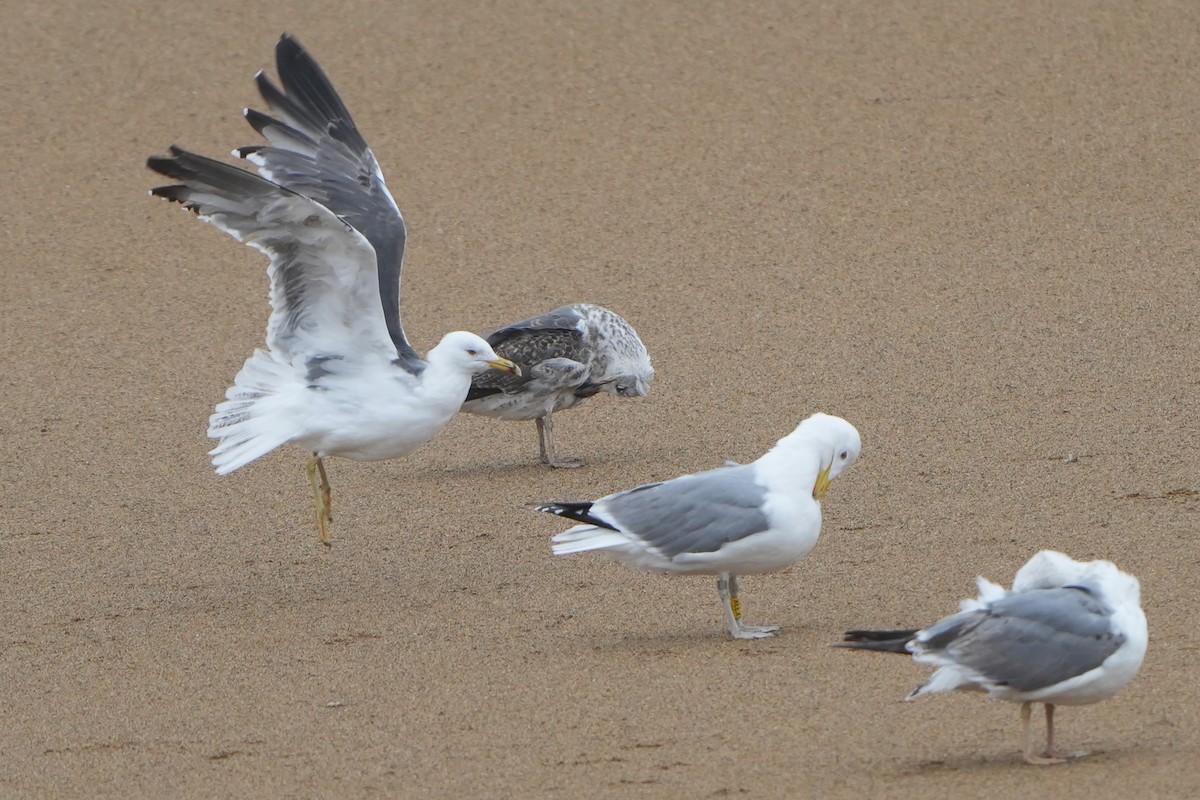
165 165
880 641
878 636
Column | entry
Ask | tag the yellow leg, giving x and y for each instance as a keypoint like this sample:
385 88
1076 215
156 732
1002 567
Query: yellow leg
321 496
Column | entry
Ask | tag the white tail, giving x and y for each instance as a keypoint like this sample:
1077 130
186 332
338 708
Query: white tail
247 423
582 538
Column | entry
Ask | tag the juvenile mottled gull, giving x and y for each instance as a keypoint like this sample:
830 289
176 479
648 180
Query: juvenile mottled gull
1069 633
736 520
338 376
566 356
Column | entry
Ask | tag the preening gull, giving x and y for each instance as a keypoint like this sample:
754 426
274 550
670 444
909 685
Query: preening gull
566 356
1068 633
338 376
735 520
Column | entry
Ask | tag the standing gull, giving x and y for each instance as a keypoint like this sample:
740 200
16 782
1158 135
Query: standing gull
1069 633
566 356
736 520
338 376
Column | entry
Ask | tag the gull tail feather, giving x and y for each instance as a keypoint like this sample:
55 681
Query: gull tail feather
244 423
582 538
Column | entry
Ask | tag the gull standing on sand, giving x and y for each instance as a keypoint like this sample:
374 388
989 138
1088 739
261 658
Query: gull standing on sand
566 356
735 520
1068 633
338 376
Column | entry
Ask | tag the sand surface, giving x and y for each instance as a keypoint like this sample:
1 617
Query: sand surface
969 228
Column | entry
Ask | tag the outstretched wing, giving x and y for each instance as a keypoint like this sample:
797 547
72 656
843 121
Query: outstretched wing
315 150
555 334
324 294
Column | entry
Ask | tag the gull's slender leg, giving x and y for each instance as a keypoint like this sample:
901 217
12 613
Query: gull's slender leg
541 426
731 617
757 631
326 489
321 496
1027 740
727 587
546 440
1051 750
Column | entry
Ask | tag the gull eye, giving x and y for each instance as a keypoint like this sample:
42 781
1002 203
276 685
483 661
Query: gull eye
472 352
844 455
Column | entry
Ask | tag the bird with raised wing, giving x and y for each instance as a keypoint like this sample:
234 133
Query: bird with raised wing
736 520
1067 633
566 356
338 376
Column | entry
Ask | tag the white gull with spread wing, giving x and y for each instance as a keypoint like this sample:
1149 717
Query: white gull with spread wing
338 377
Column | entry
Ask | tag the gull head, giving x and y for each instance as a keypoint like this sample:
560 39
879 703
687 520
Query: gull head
1050 569
628 374
836 441
470 353
633 385
1104 580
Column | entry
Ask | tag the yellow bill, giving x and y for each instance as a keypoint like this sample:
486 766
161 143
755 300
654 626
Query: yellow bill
822 484
504 365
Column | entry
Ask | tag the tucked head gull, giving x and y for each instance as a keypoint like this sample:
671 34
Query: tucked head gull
566 356
1068 633
338 376
736 520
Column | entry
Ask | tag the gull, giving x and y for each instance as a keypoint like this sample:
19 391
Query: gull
735 520
1068 633
566 356
338 376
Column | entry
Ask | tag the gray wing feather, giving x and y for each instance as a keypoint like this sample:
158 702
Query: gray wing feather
1029 640
693 514
553 335
316 150
321 268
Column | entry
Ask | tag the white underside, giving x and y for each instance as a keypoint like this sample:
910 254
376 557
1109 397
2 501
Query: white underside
367 411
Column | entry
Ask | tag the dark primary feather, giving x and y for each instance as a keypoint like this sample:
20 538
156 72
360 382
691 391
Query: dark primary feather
894 641
198 173
580 512
316 150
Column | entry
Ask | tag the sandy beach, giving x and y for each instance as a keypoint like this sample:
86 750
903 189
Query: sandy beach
970 229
